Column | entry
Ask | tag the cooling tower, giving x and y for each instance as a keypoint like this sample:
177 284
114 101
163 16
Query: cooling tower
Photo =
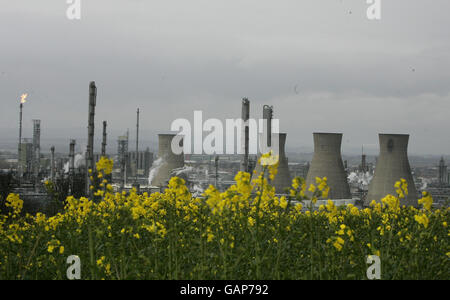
166 162
283 178
392 165
327 162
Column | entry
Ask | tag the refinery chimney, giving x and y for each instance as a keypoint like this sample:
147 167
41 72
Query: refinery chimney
443 173
136 179
327 162
122 154
52 163
392 165
72 158
71 165
36 150
246 133
137 147
104 139
166 162
267 117
19 160
91 127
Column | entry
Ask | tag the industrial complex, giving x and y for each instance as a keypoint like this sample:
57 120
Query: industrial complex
359 182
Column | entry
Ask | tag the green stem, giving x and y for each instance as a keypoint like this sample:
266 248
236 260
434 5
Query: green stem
257 254
91 251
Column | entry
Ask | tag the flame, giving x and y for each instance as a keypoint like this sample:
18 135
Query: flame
23 98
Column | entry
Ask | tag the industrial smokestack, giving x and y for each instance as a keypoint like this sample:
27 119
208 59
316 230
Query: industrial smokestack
137 148
91 127
283 178
392 165
216 175
443 173
23 99
327 162
166 162
19 160
52 163
71 165
364 168
72 157
104 139
246 133
136 184
122 152
267 117
36 150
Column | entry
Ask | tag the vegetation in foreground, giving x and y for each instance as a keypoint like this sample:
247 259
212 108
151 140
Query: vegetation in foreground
245 232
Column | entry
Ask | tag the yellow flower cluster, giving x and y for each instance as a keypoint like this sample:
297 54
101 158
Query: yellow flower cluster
105 165
422 219
245 231
401 188
426 201
13 201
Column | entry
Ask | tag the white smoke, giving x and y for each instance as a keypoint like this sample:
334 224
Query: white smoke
154 169
183 170
360 178
425 182
197 190
79 161
424 186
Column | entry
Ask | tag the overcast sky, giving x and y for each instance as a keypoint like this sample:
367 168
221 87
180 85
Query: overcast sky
322 64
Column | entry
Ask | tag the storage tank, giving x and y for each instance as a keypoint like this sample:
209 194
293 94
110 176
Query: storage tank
166 162
327 162
392 165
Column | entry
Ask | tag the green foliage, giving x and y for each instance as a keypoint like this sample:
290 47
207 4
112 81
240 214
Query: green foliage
245 232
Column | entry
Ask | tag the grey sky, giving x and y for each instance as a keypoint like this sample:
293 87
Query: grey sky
322 64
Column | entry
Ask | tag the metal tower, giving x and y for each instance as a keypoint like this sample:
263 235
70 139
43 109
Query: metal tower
246 133
122 152
36 150
105 124
90 164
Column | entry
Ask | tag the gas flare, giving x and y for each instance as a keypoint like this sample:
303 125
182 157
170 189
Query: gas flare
23 98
